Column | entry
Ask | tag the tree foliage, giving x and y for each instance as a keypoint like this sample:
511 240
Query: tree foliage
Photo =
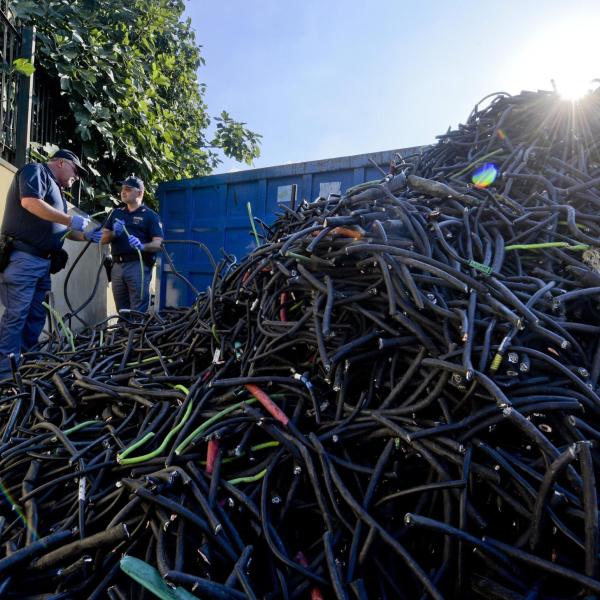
127 71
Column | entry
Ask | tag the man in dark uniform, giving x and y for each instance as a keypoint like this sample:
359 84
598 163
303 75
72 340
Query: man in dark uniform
134 227
36 219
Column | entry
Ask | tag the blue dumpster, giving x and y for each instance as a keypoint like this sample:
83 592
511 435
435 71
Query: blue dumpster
213 210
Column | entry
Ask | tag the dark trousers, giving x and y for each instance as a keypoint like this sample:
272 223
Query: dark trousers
128 289
23 287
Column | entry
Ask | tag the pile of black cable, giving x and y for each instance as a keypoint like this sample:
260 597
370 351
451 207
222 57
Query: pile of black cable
395 394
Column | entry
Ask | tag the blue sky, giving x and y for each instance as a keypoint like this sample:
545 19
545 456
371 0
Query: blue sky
320 79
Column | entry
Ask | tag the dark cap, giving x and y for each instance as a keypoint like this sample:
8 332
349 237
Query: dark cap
133 182
68 155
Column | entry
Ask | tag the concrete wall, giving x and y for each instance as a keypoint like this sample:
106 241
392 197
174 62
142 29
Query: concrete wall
7 172
83 277
81 283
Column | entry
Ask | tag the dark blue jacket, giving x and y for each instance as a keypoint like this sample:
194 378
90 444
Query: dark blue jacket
143 222
34 180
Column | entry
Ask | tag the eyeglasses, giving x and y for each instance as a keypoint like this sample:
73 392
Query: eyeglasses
73 168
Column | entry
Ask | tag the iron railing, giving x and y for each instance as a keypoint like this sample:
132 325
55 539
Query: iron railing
10 46
6 11
48 110
28 113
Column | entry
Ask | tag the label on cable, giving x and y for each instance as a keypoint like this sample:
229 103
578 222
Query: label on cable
82 485
485 269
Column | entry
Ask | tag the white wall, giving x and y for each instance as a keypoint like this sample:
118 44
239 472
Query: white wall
81 283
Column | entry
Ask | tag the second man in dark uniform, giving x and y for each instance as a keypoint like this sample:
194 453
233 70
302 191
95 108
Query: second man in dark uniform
134 227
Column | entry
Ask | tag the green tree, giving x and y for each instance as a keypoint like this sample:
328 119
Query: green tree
128 74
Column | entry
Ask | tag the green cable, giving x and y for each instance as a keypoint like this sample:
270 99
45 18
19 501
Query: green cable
192 436
68 333
62 239
578 225
565 245
144 361
297 256
249 207
135 446
263 446
181 388
141 265
100 212
144 457
80 426
249 479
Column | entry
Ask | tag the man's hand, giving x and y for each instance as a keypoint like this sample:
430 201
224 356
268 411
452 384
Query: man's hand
135 242
107 236
118 226
79 222
93 236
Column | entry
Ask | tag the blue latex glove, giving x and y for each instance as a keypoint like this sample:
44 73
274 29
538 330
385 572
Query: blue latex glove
118 226
135 242
79 222
93 236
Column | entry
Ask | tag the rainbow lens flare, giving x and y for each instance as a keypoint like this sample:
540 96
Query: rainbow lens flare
501 134
485 175
19 512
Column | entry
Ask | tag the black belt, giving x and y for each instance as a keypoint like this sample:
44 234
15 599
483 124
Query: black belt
147 257
29 249
123 258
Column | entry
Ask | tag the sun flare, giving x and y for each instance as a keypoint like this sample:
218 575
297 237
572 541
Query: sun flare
563 54
571 88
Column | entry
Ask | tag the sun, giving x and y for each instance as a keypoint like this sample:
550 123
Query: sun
573 89
563 53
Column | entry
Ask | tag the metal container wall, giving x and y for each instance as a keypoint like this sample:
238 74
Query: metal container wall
213 210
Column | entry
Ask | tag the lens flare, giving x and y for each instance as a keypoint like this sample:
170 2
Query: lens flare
19 512
485 175
573 88
501 134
